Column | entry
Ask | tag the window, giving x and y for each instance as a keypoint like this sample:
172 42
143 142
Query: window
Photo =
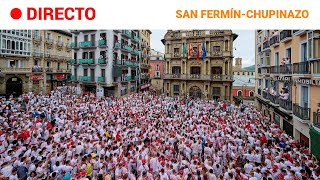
216 91
176 70
303 51
239 93
195 70
251 94
288 54
49 36
157 74
276 58
58 65
305 96
48 63
103 72
85 72
226 45
157 67
13 63
59 39
252 73
243 73
216 49
216 70
176 52
176 88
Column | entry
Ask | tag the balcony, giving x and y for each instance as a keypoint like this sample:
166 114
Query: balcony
286 69
74 45
316 119
285 104
75 31
274 69
136 64
87 44
127 78
216 54
37 38
102 43
212 77
127 33
59 57
59 44
101 79
265 70
49 41
301 68
274 41
274 99
285 35
102 61
136 77
127 48
37 55
265 95
145 75
85 78
135 38
117 45
266 45
301 112
16 70
299 32
60 70
118 62
117 30
49 69
86 61
73 61
73 78
144 66
137 52
50 56
128 63
37 69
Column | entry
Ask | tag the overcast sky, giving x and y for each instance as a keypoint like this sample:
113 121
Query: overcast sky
244 44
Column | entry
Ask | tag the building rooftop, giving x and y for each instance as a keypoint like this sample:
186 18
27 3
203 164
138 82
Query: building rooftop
240 80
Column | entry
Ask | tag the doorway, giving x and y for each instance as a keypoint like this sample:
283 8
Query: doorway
14 86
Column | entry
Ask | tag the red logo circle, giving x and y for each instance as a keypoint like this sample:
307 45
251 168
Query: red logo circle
16 13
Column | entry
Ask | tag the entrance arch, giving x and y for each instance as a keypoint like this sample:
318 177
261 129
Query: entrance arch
14 86
195 92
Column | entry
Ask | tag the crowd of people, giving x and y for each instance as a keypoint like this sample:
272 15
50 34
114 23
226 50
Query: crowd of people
66 136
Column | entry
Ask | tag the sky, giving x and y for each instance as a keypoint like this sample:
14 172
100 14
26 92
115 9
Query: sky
244 45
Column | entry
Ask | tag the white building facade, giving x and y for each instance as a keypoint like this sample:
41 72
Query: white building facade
106 61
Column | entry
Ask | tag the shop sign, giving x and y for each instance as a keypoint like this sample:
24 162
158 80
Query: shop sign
308 82
36 77
283 78
60 76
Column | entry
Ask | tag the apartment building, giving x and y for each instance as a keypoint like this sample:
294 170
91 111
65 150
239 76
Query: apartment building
51 54
156 70
15 55
287 81
199 63
144 82
106 61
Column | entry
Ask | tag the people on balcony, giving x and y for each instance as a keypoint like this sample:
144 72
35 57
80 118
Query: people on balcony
273 92
284 95
36 68
265 90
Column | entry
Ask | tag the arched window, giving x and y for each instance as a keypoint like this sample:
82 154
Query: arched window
13 45
239 93
4 43
21 46
8 44
251 94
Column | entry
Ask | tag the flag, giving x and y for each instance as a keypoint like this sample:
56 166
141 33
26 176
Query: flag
189 51
198 52
184 49
204 52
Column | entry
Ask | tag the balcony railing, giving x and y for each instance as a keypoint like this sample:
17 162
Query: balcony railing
86 61
87 44
37 37
286 69
74 45
128 63
117 45
301 112
102 42
136 38
127 33
49 40
37 69
136 77
316 119
145 75
216 54
136 52
274 99
127 78
212 77
101 79
59 43
73 61
118 62
301 68
265 95
85 78
102 61
266 45
274 69
15 69
127 48
274 40
285 104
49 69
259 91
136 64
285 35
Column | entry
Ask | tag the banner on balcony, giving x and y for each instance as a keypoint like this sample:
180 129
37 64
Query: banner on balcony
60 76
36 77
